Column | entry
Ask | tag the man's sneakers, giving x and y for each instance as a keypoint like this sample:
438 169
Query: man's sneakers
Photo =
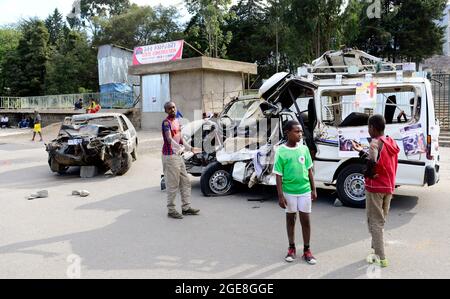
290 257
375 259
175 215
191 211
309 258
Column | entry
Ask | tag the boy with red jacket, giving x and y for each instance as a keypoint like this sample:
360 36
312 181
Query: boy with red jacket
382 163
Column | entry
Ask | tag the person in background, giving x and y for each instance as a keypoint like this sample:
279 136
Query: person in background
4 122
23 123
30 122
93 107
79 104
37 125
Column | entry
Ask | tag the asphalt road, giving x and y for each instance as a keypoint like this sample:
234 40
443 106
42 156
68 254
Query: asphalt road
122 230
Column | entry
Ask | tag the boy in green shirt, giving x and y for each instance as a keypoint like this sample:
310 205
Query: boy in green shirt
296 187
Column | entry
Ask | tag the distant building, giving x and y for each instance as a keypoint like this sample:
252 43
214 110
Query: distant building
114 80
201 84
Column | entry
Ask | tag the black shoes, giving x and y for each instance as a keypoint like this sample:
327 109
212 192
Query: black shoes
191 211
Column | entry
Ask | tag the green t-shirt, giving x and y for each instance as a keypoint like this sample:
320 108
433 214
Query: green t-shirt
293 163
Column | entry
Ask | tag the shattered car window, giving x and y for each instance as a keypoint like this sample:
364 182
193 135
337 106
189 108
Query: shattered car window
240 108
83 130
110 122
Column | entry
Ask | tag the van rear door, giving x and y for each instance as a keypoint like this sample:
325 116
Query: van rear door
432 138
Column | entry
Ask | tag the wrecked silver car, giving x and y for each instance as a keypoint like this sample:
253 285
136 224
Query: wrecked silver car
209 133
105 140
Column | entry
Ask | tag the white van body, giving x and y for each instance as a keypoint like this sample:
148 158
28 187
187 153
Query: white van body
324 103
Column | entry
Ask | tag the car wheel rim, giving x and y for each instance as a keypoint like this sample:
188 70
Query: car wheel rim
354 187
220 182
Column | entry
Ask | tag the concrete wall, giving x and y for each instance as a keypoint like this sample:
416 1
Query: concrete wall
219 88
197 90
186 91
152 120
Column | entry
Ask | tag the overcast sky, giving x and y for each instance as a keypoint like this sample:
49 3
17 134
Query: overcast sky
11 11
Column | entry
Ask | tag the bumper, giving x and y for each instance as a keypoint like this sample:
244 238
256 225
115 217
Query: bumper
68 160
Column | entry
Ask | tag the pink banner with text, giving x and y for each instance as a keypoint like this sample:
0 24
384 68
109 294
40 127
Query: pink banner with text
170 51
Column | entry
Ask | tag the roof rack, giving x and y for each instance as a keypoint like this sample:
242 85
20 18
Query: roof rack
347 71
353 63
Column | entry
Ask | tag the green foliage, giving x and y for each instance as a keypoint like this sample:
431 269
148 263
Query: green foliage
278 35
405 31
141 26
73 66
9 40
253 36
55 25
24 69
207 29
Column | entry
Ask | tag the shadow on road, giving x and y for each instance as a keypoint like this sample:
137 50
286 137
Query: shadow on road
41 177
230 239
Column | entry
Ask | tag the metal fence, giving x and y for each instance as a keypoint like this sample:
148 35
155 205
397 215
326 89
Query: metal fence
111 100
441 94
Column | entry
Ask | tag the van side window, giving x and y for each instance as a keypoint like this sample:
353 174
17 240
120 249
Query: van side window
396 104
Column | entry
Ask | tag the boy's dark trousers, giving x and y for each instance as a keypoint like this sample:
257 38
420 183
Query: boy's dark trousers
377 206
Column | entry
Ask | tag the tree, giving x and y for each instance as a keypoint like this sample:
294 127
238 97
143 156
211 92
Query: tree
55 25
315 24
209 17
253 40
407 30
9 40
25 68
350 23
93 12
140 26
73 67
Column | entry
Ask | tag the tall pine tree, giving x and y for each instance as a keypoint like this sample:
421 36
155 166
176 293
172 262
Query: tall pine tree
25 69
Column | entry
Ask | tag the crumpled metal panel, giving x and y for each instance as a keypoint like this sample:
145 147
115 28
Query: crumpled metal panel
113 63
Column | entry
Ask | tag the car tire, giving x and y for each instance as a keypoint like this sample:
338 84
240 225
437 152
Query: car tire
125 165
216 180
102 169
350 186
56 167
